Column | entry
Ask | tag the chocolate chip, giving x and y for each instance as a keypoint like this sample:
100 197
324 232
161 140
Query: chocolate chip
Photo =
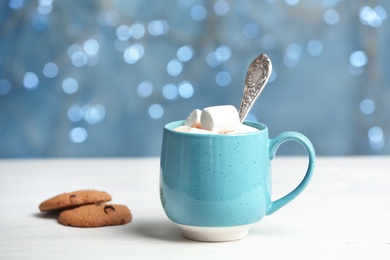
108 209
72 198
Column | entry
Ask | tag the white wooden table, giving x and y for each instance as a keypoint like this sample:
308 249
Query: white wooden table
343 214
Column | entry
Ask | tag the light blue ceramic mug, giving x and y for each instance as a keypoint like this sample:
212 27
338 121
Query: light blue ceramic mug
216 187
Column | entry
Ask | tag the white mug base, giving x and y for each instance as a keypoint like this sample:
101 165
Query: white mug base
215 234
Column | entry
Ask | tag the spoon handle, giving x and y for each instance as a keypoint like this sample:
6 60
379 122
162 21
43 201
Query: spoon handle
256 78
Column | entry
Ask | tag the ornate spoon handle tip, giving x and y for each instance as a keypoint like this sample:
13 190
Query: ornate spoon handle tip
256 78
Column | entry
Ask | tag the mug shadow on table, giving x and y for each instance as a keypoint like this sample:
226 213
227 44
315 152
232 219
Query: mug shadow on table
161 230
168 231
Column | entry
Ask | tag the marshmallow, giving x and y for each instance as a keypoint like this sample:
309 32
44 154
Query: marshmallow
183 128
215 120
221 119
193 120
243 129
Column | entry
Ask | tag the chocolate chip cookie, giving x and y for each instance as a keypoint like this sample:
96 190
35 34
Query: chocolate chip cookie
96 215
74 199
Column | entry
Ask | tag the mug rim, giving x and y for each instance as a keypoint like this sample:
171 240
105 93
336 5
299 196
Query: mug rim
259 126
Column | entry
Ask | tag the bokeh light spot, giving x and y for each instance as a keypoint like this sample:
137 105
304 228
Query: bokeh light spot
314 48
94 114
91 47
185 53
50 70
292 2
123 32
212 60
174 67
223 78
158 27
5 87
156 111
79 59
358 59
16 4
331 16
373 17
70 85
376 138
198 12
137 30
133 53
221 7
44 7
170 91
75 114
294 51
367 106
78 135
30 80
145 89
223 53
186 90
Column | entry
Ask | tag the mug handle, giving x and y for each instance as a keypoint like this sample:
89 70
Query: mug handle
273 147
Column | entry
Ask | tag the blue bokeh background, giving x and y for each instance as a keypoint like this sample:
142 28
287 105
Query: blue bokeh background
101 78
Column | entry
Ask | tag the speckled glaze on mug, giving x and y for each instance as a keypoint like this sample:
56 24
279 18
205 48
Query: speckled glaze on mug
221 182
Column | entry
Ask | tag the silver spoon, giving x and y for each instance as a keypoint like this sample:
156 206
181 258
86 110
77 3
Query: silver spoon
256 78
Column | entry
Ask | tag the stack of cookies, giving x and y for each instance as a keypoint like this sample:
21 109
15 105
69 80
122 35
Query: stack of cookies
87 208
